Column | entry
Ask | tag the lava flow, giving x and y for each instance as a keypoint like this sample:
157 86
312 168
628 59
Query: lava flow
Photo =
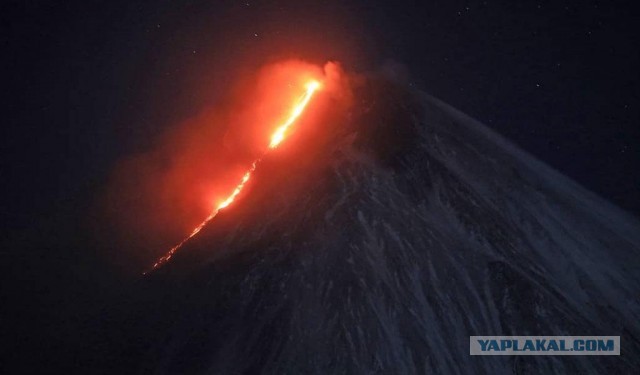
277 138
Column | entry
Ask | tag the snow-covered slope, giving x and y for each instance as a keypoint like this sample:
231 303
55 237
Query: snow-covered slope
383 249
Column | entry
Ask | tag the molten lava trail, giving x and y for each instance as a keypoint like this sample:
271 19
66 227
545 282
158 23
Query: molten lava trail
276 138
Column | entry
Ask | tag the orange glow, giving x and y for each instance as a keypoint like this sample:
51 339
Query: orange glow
238 189
276 139
279 134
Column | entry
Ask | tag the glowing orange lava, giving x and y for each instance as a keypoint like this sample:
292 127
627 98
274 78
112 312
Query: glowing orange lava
279 134
276 138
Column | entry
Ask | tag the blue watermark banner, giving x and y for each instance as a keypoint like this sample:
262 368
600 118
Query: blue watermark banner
544 345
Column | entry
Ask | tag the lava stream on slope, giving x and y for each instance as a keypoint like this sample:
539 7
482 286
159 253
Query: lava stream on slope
276 139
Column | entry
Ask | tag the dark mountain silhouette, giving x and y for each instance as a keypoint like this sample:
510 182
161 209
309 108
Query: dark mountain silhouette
380 246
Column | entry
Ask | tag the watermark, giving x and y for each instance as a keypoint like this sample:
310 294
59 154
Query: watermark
544 345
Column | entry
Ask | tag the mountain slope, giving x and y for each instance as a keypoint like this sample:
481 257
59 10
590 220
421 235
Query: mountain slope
382 247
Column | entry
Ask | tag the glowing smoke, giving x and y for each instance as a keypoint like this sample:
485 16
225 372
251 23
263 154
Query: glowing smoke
156 197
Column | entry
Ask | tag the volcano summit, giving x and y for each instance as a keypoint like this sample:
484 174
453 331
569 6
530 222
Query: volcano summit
380 247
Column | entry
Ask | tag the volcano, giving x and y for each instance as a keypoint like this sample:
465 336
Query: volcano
380 247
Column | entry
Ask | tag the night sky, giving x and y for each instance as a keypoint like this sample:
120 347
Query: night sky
89 82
